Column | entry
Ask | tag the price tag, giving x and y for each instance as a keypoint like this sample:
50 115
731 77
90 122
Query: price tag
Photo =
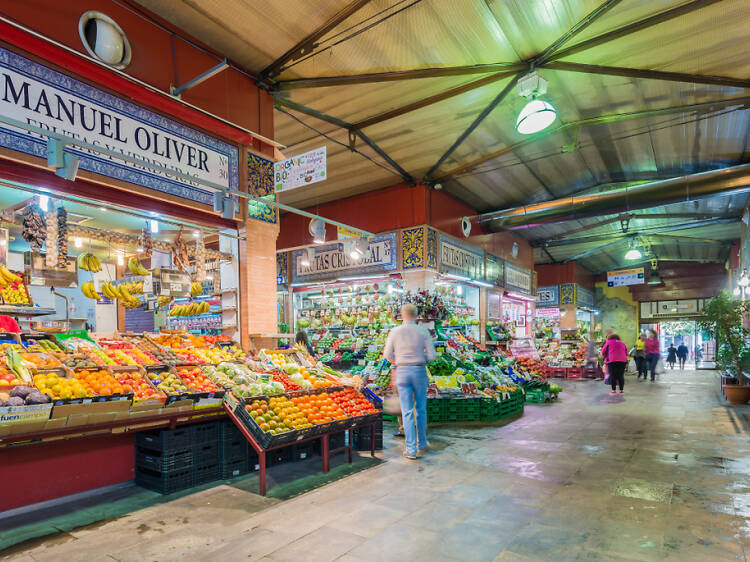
432 390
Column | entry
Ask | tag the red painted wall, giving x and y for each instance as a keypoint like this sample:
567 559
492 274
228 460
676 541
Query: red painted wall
159 58
558 273
444 212
390 208
60 468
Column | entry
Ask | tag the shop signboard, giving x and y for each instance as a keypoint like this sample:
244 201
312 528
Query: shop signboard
47 99
342 232
621 277
494 269
300 170
547 296
584 297
517 278
330 261
460 259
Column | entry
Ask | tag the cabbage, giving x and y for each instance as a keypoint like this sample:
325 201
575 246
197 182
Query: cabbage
14 401
305 384
291 369
36 397
21 392
297 377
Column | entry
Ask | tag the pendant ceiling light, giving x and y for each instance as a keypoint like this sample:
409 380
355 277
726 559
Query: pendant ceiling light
536 115
633 254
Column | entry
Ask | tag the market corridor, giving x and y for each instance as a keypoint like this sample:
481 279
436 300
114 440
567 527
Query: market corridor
659 474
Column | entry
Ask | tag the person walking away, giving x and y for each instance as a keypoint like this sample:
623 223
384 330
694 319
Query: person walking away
682 353
409 347
616 353
671 355
639 355
592 356
301 338
652 353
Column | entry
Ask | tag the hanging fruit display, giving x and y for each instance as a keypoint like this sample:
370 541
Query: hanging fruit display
34 227
89 291
51 257
196 288
180 252
146 242
62 237
200 259
163 301
136 267
89 262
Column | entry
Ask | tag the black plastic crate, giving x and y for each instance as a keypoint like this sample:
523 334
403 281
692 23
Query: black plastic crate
234 468
233 450
336 440
207 432
229 432
302 451
162 462
165 439
165 482
206 452
207 473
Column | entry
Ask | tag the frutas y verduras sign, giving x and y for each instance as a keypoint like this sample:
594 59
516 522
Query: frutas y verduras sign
517 278
331 261
297 171
50 100
461 260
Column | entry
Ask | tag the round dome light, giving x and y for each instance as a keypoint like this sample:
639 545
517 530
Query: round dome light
633 254
104 39
535 116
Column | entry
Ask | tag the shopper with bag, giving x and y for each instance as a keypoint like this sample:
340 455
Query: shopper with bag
671 355
409 347
616 354
638 353
652 353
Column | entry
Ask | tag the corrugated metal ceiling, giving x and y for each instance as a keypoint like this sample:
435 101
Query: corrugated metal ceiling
706 38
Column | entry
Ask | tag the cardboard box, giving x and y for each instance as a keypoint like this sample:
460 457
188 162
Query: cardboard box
12 415
91 408
31 427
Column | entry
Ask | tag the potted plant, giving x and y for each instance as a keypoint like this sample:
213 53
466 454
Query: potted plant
723 320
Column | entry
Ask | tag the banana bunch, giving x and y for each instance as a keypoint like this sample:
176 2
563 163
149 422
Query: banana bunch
89 262
124 293
134 303
196 288
89 291
136 267
110 291
7 277
190 309
161 302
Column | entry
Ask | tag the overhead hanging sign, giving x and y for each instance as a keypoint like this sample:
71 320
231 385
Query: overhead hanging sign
517 278
634 276
547 296
460 259
330 261
50 100
297 171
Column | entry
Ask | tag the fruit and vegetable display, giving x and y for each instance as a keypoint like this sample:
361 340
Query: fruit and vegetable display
167 382
23 396
137 383
196 380
12 288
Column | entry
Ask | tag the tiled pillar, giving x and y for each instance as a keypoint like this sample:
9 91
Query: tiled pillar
258 283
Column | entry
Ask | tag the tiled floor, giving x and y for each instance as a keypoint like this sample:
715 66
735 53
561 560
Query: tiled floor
661 473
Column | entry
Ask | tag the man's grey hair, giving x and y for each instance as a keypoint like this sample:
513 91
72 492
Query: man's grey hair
409 312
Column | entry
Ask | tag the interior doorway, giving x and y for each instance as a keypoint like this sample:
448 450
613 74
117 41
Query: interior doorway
701 347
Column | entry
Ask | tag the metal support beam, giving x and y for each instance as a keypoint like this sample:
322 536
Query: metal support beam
649 74
743 101
406 176
308 44
542 57
634 27
608 237
419 104
202 77
485 112
412 74
598 248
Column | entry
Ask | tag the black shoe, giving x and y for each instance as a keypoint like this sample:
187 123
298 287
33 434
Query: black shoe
397 434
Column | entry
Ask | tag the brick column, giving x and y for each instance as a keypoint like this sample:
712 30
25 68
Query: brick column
257 259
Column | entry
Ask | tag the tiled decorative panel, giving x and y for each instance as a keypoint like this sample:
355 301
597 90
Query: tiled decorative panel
260 184
432 248
568 293
413 248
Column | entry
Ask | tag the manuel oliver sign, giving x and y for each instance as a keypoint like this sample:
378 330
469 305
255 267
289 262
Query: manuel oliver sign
50 100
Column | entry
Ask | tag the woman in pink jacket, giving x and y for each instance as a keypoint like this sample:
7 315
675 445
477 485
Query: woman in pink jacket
652 352
616 356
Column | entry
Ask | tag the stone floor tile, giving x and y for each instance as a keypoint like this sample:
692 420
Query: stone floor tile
544 542
323 544
368 520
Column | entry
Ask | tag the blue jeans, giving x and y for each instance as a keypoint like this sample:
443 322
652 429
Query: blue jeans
411 381
651 360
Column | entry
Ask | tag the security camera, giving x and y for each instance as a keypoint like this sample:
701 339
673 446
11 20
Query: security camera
466 226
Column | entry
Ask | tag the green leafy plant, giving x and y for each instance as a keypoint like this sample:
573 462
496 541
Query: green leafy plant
723 320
